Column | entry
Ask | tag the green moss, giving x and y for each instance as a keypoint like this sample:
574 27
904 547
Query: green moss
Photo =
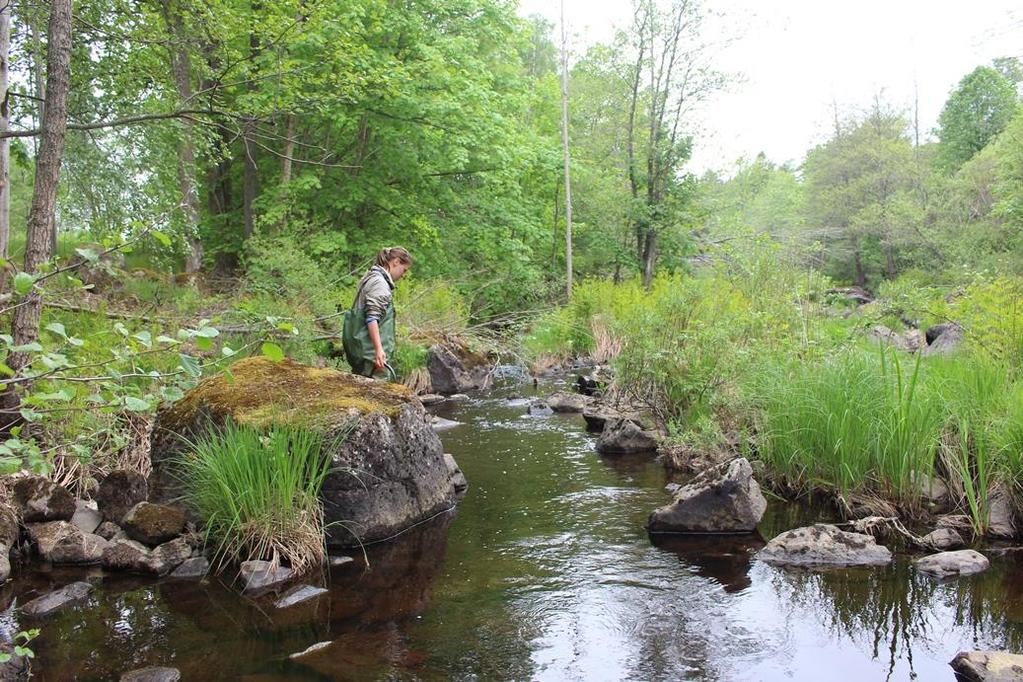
257 391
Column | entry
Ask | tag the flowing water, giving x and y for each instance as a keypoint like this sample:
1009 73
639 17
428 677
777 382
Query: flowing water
544 573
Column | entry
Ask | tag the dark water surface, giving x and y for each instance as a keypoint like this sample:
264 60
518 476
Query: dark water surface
545 573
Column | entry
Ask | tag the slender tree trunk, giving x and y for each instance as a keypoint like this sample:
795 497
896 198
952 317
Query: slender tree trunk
41 216
649 257
249 177
289 150
5 143
182 70
556 232
567 156
630 146
861 275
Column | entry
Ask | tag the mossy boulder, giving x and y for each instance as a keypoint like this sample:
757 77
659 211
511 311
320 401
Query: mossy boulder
388 468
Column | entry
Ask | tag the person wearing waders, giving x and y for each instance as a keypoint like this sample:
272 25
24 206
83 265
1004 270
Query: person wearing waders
368 330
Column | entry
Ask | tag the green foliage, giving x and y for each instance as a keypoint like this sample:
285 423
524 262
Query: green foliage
977 110
21 648
257 493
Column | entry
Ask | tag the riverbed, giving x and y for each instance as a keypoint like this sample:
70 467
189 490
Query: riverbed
544 572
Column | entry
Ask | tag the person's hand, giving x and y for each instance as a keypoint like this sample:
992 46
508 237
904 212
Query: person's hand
380 360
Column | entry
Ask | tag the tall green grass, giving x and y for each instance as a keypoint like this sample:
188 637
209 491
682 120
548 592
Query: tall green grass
257 493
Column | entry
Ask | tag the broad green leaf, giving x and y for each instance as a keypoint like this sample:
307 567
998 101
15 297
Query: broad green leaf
166 339
23 283
5 370
121 329
227 351
203 343
136 404
145 338
190 365
88 254
33 347
161 237
273 351
30 415
63 395
172 394
57 328
207 332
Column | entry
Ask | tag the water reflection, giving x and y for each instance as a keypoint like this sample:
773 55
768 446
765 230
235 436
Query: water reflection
724 558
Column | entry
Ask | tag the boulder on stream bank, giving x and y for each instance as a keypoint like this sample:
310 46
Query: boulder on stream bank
824 545
721 500
624 436
988 666
455 368
388 466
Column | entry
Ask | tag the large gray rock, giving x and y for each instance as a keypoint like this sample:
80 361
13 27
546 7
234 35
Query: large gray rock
387 463
988 666
458 482
1001 515
824 545
10 528
61 542
50 603
943 339
943 539
949 564
124 554
5 562
624 436
40 499
456 370
119 492
153 524
299 594
261 576
910 340
192 569
722 500
152 674
169 556
568 402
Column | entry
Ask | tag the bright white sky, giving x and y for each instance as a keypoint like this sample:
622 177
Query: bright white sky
797 57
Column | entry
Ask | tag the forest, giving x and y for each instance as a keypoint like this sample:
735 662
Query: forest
189 184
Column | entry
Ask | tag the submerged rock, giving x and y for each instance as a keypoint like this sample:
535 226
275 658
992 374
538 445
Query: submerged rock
442 424
949 564
40 499
539 408
719 501
153 524
624 436
431 399
152 674
387 463
121 490
260 576
50 603
988 666
824 545
456 369
340 560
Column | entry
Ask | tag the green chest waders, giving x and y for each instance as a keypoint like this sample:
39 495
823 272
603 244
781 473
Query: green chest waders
358 346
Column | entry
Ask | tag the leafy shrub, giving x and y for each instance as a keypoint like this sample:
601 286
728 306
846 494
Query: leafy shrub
258 493
280 267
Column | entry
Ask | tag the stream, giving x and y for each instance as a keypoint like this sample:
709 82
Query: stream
545 572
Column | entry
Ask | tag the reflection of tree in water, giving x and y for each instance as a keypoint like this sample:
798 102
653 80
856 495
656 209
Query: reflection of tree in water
899 610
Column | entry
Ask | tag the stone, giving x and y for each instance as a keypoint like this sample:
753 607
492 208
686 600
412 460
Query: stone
960 523
192 569
539 408
511 373
456 369
387 469
951 564
168 556
722 500
824 545
310 650
299 594
988 666
943 339
340 560
458 482
1001 515
152 674
121 490
126 555
857 295
5 562
50 603
933 490
61 542
624 436
40 499
153 524
86 517
108 530
910 341
431 399
568 402
943 539
442 424
260 576
10 528
458 397
596 417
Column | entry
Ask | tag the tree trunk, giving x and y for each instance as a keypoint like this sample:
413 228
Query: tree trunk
289 150
5 143
41 216
861 275
567 156
649 257
182 70
249 177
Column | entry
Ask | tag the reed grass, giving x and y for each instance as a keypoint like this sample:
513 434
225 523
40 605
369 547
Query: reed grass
257 493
